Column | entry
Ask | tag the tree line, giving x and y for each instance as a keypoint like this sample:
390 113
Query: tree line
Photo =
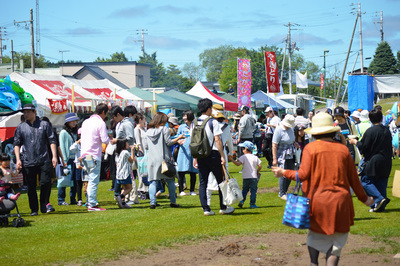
220 64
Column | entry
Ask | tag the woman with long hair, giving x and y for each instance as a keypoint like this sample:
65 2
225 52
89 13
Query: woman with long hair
158 143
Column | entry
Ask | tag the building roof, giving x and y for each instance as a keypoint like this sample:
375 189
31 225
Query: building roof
100 74
106 63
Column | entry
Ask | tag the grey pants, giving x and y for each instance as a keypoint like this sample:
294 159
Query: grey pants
283 182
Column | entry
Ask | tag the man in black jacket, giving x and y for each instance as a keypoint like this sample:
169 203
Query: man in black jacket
36 135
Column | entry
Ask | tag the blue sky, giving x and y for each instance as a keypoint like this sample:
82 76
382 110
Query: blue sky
180 30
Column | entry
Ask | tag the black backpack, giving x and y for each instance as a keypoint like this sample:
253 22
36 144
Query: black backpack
199 145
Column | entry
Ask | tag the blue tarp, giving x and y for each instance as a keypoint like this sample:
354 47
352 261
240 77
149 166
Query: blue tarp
360 92
272 101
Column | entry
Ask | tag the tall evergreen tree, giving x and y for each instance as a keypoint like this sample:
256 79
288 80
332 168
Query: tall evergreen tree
384 61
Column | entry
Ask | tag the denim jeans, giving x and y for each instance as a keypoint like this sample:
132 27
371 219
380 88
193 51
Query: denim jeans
94 178
283 182
375 187
171 190
250 184
207 165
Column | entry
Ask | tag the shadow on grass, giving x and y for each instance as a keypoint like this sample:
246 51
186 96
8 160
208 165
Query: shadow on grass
365 219
392 210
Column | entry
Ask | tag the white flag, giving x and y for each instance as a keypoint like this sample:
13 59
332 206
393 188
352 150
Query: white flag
301 80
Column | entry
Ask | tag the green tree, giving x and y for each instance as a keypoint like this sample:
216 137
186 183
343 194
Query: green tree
212 60
115 57
40 61
384 61
192 71
157 70
398 61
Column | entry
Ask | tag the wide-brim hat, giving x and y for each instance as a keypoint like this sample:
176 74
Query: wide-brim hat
71 117
237 116
288 121
322 123
218 107
218 115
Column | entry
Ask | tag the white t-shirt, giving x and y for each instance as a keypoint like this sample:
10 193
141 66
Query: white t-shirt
250 164
273 121
210 135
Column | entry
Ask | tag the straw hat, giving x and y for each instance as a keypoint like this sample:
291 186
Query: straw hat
364 115
322 123
288 121
236 116
218 111
218 115
173 120
218 107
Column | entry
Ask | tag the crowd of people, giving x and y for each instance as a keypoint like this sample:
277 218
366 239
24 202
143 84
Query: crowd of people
323 150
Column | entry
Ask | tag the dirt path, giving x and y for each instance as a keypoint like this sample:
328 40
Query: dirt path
264 249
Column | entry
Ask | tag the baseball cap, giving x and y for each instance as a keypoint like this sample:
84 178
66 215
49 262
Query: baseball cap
269 109
245 108
247 144
339 111
29 106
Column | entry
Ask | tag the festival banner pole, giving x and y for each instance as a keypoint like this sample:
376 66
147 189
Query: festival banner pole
266 78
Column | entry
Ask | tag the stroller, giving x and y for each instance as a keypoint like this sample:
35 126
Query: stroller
6 206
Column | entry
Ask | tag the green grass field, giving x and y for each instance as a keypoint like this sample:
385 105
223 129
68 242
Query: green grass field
73 235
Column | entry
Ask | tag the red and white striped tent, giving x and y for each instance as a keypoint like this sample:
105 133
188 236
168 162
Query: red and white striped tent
201 91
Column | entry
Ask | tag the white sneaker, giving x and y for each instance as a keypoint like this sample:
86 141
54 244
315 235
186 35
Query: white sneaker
228 210
206 213
193 193
182 193
176 184
284 197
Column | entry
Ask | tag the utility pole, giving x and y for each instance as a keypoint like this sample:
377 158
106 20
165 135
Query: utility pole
37 28
142 41
325 52
1 43
283 63
381 22
32 40
361 44
290 53
12 56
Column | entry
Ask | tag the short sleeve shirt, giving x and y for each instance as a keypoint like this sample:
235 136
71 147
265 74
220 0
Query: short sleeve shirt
282 136
250 164
124 167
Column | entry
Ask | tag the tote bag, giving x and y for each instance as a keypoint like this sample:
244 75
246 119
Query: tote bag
230 189
63 180
297 209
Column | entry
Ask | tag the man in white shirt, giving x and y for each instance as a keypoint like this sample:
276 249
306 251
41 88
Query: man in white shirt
212 163
272 121
300 119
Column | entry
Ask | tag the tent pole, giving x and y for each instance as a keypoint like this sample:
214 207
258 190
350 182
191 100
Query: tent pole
73 98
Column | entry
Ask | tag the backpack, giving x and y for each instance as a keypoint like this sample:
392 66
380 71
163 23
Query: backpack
199 145
257 131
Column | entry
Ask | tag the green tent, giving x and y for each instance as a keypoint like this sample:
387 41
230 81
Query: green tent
162 101
192 100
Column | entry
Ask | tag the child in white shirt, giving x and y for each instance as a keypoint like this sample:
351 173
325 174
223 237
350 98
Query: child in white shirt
250 172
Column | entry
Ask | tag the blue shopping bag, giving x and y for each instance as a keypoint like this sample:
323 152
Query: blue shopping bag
297 209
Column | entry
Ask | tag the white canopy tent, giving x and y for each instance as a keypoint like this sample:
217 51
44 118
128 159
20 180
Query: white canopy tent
387 84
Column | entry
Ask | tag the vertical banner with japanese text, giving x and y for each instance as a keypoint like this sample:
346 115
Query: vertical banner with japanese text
58 106
244 82
271 70
322 81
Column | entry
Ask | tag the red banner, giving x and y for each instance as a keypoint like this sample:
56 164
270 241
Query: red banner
58 106
244 82
322 81
271 70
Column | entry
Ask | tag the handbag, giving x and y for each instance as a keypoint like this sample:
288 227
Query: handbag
168 165
231 192
357 155
297 209
62 179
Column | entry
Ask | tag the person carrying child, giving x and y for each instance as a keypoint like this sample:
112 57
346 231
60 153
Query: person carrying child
250 173
124 162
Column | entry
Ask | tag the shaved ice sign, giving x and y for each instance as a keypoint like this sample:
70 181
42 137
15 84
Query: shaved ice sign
244 82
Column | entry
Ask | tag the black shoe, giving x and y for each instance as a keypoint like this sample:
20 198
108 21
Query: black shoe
383 207
50 208
34 213
152 206
174 205
379 205
158 205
